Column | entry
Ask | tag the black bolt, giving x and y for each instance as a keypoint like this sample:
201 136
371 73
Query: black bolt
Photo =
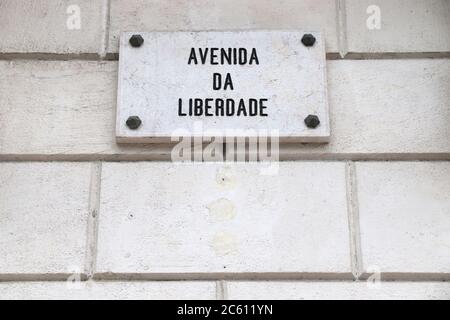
136 40
308 40
312 121
133 122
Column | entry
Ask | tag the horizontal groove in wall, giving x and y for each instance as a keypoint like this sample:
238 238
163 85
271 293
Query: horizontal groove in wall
329 56
283 157
42 277
395 55
222 276
50 56
300 277
299 281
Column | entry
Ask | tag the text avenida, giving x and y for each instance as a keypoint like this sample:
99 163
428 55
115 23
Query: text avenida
222 107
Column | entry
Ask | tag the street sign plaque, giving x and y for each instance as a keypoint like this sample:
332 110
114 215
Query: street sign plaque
228 84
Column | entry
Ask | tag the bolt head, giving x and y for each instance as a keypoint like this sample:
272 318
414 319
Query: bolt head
136 40
308 40
312 121
133 122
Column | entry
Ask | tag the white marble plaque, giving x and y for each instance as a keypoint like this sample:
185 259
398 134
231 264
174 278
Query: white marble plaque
228 84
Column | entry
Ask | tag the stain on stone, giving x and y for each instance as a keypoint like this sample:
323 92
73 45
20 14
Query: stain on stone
226 177
224 244
221 210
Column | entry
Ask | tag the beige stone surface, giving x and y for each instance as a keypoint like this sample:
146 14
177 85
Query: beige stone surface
112 290
404 210
188 15
61 110
43 218
165 219
394 109
405 26
319 290
51 26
